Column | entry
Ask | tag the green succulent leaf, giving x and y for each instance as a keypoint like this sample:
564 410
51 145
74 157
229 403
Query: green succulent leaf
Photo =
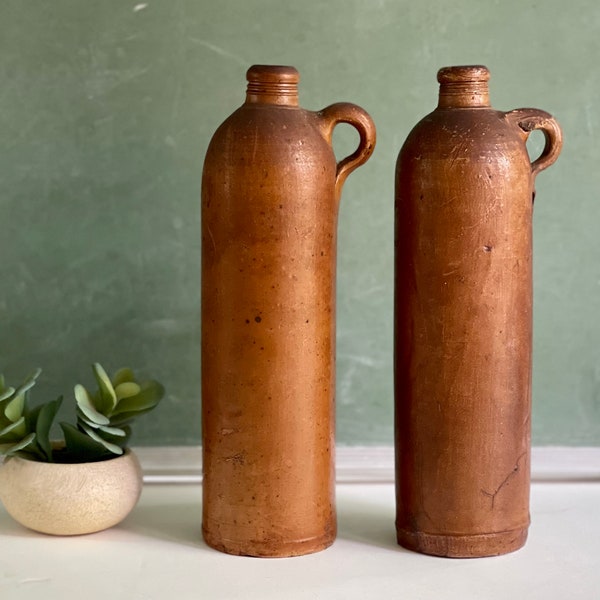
124 375
80 445
81 417
109 432
107 399
86 405
105 429
97 438
43 425
120 440
149 396
28 383
126 418
102 427
31 417
116 432
6 393
9 449
127 389
15 431
14 408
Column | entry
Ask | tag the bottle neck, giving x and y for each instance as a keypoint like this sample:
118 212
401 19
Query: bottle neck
464 87
272 85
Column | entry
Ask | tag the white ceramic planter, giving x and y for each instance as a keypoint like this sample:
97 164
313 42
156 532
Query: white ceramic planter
70 499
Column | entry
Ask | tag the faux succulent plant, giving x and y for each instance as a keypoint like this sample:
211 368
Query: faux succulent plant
103 418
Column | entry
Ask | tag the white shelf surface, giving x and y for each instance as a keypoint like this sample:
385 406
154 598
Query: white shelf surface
372 464
157 553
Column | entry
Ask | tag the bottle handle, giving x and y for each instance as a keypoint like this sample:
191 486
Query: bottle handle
345 112
530 119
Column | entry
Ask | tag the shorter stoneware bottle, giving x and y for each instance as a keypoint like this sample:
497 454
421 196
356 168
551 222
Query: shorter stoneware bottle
270 191
463 321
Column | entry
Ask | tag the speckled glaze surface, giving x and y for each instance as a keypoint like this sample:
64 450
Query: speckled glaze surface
463 321
70 499
270 192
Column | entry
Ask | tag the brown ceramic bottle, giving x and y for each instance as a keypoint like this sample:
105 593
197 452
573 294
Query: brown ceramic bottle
270 192
463 298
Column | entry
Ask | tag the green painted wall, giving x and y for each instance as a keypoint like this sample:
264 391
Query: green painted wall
106 110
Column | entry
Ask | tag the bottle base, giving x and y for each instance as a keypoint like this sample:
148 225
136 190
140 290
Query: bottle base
268 548
463 546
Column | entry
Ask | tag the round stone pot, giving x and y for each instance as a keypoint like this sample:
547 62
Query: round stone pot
70 499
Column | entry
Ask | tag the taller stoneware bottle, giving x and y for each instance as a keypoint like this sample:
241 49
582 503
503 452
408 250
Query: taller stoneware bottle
463 321
270 192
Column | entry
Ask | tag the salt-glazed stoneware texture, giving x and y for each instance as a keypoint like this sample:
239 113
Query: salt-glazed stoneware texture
70 499
270 193
463 307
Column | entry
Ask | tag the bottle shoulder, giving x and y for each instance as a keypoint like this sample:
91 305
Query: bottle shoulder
260 129
443 131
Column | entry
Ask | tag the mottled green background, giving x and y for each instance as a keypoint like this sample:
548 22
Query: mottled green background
106 110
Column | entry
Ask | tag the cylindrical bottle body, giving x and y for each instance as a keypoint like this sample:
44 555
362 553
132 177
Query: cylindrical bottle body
269 219
463 322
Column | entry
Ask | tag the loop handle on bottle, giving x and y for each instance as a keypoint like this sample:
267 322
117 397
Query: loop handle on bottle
345 112
530 119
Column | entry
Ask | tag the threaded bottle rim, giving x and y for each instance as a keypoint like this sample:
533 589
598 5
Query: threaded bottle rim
463 74
464 87
272 84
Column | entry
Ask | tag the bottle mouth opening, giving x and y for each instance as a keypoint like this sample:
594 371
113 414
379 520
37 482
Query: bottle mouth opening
463 74
276 74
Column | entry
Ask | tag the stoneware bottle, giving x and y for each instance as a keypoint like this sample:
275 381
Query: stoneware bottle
270 192
463 300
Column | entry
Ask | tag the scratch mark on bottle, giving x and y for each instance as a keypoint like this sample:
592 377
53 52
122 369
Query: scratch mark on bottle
505 481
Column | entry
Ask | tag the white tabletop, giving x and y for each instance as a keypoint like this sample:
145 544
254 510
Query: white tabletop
158 554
